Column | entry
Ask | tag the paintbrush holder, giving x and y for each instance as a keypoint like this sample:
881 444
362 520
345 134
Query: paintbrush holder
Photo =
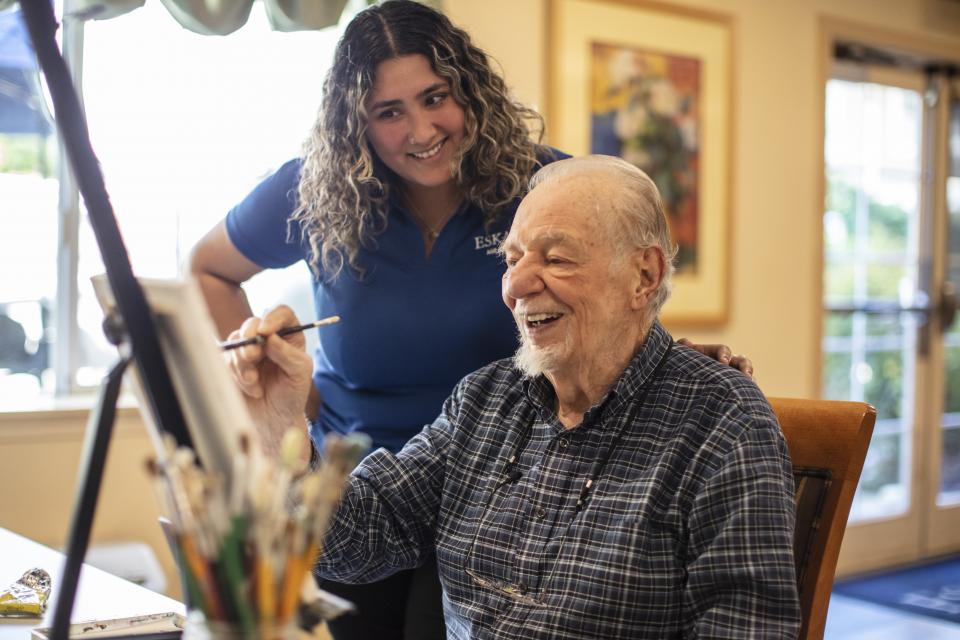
199 628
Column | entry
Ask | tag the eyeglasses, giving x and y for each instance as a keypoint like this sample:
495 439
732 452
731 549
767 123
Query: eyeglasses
510 475
517 592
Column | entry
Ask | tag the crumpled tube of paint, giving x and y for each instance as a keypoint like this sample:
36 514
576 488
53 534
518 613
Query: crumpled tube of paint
27 597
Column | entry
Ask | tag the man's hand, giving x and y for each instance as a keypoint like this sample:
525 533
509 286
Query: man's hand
722 353
275 376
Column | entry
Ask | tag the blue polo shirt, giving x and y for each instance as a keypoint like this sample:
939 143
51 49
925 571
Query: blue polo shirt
411 326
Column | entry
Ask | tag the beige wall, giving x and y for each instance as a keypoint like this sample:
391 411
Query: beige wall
775 237
775 225
39 457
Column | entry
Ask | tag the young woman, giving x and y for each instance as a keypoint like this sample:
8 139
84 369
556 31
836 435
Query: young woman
407 184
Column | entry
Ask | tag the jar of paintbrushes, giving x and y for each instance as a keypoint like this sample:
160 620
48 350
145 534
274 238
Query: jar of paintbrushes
245 549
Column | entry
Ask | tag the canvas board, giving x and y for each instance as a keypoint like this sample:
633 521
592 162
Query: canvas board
212 404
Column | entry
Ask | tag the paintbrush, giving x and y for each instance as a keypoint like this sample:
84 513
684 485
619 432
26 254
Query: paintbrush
259 339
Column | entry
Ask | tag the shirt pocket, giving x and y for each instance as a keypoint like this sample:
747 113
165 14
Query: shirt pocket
618 566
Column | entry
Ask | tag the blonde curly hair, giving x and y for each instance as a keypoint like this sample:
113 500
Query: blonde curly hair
345 188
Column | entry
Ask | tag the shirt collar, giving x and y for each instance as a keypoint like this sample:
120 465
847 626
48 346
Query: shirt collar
634 378
644 364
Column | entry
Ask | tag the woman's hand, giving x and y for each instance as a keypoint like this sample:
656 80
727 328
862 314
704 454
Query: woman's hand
722 353
275 376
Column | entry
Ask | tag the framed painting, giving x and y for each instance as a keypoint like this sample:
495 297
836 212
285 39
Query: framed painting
652 85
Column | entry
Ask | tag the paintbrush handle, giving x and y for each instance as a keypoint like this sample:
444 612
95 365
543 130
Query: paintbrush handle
286 331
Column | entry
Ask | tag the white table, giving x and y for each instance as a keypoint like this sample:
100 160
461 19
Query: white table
100 595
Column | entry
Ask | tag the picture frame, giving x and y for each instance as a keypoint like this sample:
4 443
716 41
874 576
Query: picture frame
653 84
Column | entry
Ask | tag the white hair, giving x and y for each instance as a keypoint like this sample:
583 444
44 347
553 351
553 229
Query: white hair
640 221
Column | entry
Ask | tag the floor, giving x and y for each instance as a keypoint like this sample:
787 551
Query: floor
852 619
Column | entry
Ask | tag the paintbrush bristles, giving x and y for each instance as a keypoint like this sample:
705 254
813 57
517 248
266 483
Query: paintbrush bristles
247 547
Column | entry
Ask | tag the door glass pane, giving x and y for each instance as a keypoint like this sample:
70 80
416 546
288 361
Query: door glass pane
950 485
870 230
950 470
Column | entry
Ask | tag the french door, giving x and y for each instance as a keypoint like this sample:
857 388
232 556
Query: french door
891 265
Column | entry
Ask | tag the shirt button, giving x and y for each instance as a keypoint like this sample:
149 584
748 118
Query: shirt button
563 443
540 513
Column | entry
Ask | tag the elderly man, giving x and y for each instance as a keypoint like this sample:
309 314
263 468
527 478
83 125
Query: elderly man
605 482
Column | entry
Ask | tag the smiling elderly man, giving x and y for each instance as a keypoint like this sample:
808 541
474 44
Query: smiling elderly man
604 483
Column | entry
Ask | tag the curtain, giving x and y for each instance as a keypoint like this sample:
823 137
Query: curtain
218 17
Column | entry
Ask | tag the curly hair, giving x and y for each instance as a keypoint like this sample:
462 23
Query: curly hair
345 188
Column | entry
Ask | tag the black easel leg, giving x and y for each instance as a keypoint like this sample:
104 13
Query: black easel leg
90 475
131 302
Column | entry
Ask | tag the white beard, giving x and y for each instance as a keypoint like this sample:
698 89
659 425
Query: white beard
533 361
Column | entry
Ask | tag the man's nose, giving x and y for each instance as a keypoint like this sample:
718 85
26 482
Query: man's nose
522 280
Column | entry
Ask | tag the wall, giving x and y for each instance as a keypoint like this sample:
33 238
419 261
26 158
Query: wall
776 205
39 457
775 225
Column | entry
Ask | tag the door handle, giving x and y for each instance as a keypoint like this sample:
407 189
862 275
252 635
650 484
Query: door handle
948 306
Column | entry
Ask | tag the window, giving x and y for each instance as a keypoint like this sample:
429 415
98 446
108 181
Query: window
184 125
870 229
28 244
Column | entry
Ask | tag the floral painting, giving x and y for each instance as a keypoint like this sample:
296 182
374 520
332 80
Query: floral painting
652 84
645 108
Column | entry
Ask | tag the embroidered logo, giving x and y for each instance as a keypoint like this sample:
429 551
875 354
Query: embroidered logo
489 242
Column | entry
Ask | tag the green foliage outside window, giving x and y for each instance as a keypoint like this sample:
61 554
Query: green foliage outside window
885 252
887 227
884 389
950 475
25 153
836 375
838 324
951 402
881 373
883 281
882 466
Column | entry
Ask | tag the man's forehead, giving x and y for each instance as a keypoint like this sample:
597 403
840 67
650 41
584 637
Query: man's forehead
552 234
560 210
539 236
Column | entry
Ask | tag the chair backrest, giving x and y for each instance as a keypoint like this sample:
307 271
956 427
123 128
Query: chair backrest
828 442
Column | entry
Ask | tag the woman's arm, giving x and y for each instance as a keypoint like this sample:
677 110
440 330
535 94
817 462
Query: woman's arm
220 269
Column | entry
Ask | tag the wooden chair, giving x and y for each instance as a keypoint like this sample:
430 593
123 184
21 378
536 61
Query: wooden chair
828 442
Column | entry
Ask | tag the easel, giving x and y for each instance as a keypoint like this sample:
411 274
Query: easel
138 335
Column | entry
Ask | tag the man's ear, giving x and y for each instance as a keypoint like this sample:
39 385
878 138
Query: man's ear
648 268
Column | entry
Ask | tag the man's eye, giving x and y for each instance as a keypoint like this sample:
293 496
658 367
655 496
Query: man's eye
556 260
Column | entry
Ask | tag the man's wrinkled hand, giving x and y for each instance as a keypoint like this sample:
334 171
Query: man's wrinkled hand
274 374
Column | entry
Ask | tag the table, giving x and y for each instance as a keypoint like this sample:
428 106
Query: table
100 595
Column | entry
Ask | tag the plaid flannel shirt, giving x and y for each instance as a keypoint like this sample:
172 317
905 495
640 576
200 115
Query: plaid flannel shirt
686 532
